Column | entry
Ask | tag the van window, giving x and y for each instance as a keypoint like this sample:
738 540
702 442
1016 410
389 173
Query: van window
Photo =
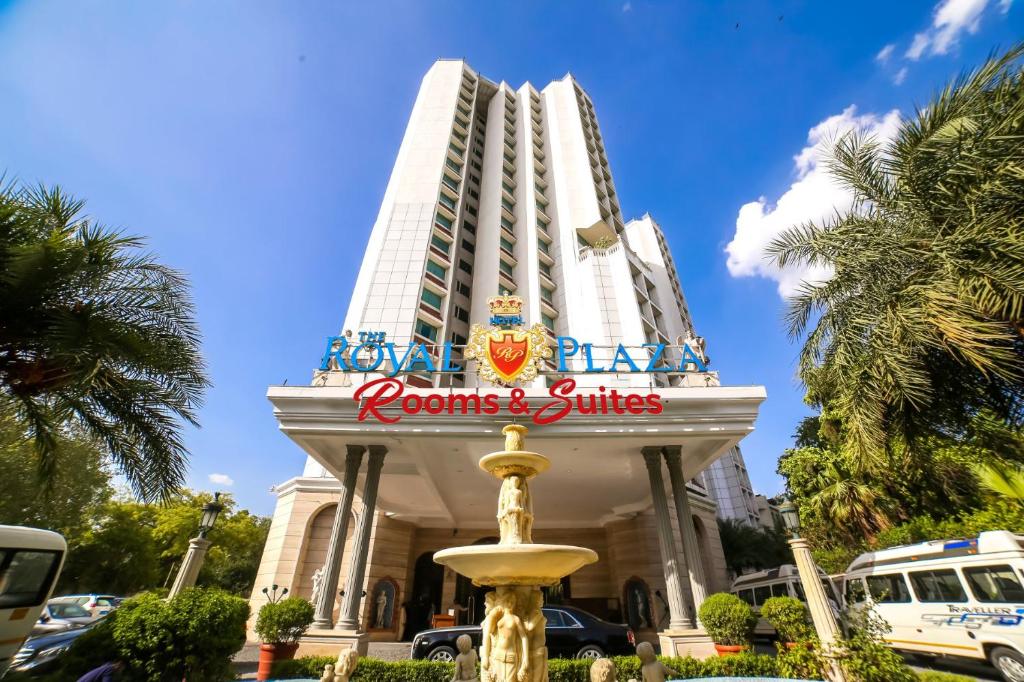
937 586
994 583
780 590
798 586
747 596
26 576
888 589
761 594
854 591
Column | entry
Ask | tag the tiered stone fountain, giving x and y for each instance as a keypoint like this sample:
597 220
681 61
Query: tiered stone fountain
513 647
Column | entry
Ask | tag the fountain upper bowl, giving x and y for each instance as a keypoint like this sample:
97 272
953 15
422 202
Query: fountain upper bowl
525 564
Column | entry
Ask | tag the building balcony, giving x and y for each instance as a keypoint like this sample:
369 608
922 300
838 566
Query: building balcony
507 213
435 283
509 164
460 128
456 154
507 255
430 312
548 307
446 210
450 187
539 165
508 233
506 279
545 257
444 231
543 234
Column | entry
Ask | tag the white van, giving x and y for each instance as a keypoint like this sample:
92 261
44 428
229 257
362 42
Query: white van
30 561
948 597
756 588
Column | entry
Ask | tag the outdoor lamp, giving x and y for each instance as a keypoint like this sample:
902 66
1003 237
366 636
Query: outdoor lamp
791 517
210 511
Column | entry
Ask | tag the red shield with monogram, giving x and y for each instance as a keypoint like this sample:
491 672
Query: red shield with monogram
508 353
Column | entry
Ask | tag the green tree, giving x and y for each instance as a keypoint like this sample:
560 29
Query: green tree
749 548
921 325
95 333
80 483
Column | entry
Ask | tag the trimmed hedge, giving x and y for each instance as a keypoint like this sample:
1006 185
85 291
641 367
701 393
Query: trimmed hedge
559 670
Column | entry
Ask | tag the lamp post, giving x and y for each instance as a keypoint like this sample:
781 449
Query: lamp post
817 601
197 547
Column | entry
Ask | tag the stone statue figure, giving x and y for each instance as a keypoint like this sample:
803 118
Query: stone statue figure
534 626
318 585
382 609
513 437
504 651
652 669
512 519
603 670
465 662
343 668
641 608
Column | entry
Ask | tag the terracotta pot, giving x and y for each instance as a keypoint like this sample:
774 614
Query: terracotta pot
286 652
730 649
268 654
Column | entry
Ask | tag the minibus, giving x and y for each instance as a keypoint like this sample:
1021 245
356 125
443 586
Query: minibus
30 561
957 598
756 588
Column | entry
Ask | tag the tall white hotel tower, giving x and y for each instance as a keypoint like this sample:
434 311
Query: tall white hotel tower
501 190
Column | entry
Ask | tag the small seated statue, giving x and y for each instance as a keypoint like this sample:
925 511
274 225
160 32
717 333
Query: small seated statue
465 662
603 670
343 668
653 670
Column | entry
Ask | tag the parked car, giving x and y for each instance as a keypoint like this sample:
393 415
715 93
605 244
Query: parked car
570 633
97 604
41 655
956 598
57 616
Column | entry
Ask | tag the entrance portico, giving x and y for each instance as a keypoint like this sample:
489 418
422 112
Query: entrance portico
420 490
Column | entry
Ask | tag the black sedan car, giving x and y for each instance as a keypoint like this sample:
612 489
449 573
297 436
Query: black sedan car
570 633
40 655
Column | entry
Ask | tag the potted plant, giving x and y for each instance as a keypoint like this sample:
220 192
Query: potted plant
729 622
789 618
279 626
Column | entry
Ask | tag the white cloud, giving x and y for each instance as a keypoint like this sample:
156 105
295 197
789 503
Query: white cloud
813 196
1004 5
627 7
949 21
222 479
883 55
900 76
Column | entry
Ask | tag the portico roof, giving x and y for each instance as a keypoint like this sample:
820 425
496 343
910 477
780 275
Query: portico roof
431 477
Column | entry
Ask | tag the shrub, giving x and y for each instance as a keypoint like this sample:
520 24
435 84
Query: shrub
864 655
285 621
936 676
559 670
803 661
789 617
727 619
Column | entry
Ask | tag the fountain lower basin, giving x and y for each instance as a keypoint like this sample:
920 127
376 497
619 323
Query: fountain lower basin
522 564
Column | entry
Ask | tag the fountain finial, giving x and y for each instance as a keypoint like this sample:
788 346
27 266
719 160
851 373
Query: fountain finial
514 434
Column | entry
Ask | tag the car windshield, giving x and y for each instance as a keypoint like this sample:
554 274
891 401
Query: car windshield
68 610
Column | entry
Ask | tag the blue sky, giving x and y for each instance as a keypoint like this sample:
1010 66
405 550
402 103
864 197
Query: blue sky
251 143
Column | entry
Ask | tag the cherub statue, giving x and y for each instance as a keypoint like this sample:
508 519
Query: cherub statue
511 511
465 662
603 670
653 670
343 668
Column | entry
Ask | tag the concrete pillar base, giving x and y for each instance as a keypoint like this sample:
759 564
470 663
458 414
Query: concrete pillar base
695 643
331 642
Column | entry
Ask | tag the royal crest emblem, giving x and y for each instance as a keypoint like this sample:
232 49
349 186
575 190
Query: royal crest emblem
505 354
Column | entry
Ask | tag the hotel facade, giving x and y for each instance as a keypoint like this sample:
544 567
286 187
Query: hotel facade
501 190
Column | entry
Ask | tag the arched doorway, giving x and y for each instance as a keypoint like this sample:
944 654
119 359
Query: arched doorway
469 596
425 597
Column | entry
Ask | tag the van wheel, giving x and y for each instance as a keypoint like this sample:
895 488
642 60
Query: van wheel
1009 663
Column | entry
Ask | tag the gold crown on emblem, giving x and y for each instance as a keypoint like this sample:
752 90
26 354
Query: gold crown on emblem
505 305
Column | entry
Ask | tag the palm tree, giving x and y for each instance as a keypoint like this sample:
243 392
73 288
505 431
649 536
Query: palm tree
921 325
95 333
1002 479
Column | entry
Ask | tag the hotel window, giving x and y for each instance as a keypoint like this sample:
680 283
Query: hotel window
506 244
468 246
462 288
475 165
447 201
469 227
510 159
509 207
505 267
459 340
441 244
477 153
436 270
507 224
459 136
548 321
508 189
427 331
473 193
545 268
443 222
465 267
431 299
474 179
542 227
543 247
462 314
547 294
471 210
457 167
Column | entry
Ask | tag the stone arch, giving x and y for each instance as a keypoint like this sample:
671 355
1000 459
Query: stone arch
388 588
637 607
315 540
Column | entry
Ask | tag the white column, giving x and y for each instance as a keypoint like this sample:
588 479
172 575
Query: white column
678 619
190 565
691 548
361 545
817 603
336 547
